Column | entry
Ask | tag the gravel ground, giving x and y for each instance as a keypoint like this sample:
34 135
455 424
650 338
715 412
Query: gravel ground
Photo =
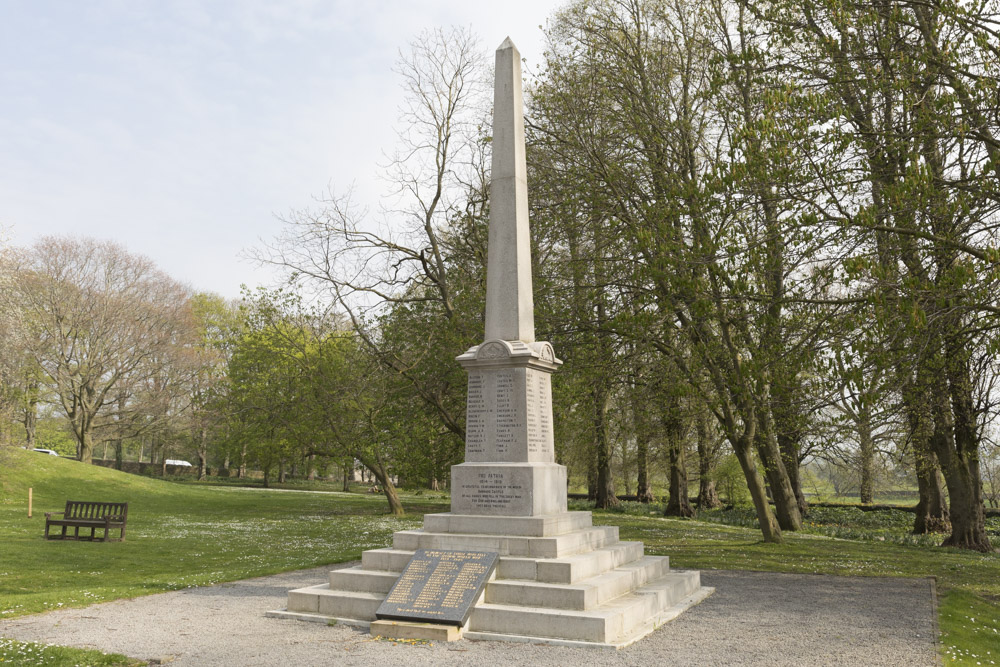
754 618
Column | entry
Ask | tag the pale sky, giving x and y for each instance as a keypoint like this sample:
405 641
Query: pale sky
181 128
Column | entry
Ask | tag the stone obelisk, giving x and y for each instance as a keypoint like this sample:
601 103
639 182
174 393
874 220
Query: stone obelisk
509 466
558 578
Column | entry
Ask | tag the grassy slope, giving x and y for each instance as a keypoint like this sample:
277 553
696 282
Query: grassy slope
177 536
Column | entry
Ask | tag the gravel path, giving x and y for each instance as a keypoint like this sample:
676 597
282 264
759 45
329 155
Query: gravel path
754 618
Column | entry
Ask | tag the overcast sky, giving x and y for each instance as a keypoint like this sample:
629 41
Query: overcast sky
180 128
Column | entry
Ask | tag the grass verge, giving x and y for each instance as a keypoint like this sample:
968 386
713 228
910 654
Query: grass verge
28 654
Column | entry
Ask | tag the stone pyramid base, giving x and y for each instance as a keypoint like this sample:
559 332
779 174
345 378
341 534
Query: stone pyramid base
559 580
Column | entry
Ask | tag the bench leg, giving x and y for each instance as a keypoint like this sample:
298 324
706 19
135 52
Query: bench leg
64 532
47 531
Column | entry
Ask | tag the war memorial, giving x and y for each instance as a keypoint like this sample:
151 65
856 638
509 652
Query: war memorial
509 562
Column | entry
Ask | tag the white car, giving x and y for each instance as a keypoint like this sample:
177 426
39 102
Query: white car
177 462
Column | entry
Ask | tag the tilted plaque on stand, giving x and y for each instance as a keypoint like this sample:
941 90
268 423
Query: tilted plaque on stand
439 586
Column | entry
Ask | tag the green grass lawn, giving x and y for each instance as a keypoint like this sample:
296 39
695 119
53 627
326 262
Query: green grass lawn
968 584
177 536
182 535
23 654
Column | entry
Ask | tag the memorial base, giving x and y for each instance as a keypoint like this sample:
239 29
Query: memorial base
559 580
508 489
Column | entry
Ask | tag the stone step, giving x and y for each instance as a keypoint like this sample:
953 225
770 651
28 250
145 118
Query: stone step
567 570
572 569
335 603
524 526
588 594
387 559
360 579
608 623
557 546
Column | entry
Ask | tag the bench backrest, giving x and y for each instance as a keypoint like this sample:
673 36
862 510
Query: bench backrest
80 509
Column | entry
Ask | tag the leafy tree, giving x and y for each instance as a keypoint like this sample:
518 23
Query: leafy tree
917 140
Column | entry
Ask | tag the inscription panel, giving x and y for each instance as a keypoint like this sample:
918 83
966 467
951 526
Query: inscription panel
438 586
495 417
476 416
494 491
538 394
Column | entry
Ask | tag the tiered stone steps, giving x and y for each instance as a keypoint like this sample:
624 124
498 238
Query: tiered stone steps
559 579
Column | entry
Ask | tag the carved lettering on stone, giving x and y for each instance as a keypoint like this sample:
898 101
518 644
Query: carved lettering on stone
476 413
505 436
492 491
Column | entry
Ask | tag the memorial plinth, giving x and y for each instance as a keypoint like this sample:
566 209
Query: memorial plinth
509 467
559 578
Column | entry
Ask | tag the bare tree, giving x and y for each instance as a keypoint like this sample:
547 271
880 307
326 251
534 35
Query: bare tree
105 318
438 177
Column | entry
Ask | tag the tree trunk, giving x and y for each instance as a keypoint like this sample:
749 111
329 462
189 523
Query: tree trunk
643 492
768 524
592 476
242 473
932 511
959 459
605 484
673 430
119 454
708 496
310 467
281 471
867 458
678 504
932 514
347 469
788 445
785 420
381 474
86 447
31 417
786 506
203 453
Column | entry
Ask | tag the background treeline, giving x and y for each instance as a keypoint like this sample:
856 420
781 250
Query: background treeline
764 242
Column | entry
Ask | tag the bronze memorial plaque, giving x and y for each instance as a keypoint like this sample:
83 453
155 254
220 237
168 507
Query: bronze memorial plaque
438 586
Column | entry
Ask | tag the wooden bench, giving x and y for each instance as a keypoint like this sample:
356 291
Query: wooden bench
81 514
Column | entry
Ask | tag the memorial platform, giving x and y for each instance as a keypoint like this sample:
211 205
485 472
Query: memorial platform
558 580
